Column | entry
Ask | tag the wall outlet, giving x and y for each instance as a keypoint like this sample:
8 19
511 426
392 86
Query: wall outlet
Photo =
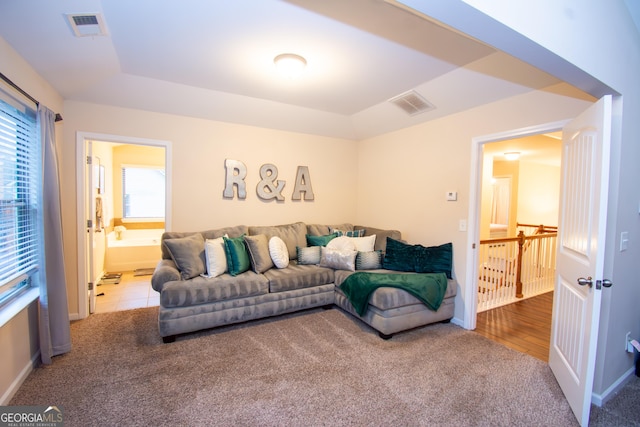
452 196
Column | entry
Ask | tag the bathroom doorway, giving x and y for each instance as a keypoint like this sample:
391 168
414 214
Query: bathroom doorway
124 196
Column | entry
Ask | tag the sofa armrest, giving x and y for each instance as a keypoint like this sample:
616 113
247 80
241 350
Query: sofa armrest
166 271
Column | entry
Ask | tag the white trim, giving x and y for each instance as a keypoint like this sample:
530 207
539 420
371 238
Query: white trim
475 188
81 139
20 379
17 304
601 399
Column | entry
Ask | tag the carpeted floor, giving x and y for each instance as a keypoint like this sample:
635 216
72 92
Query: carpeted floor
312 368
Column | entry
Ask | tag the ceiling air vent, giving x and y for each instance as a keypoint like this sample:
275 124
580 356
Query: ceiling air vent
87 24
412 103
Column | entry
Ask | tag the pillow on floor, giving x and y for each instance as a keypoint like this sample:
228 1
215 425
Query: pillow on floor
188 254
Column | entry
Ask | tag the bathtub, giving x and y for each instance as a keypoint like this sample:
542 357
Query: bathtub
136 249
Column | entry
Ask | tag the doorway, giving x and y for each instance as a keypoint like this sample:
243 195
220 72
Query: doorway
484 151
520 192
101 168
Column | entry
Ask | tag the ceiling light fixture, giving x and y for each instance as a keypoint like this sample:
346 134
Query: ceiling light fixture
290 64
512 155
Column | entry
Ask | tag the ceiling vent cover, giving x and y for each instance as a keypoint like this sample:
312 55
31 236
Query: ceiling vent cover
412 103
87 24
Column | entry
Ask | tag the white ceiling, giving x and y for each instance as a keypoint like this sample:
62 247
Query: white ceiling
214 60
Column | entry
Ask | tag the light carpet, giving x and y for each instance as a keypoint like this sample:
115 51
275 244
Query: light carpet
317 367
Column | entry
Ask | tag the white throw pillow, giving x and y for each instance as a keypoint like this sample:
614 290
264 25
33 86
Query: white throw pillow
338 259
279 252
215 256
342 243
364 244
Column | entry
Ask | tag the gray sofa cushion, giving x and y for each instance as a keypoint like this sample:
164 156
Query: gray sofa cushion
202 290
298 277
188 254
235 231
292 234
391 298
381 236
324 229
258 247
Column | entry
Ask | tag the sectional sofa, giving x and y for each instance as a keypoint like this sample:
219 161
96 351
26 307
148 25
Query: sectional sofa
236 274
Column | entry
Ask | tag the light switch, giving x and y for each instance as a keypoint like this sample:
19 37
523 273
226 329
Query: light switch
452 196
462 225
624 241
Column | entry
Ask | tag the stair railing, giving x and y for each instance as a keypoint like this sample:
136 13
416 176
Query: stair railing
519 267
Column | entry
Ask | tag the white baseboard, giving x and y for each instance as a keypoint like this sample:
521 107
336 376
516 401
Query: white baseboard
15 385
458 322
601 399
74 316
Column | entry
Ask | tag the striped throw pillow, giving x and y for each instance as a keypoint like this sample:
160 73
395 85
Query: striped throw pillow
369 260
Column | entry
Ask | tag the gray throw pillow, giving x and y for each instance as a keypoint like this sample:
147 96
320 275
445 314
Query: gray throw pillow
188 254
259 255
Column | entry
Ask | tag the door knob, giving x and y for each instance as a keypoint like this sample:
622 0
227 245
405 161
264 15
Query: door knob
606 283
582 281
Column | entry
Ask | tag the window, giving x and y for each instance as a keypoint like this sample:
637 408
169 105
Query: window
20 172
143 191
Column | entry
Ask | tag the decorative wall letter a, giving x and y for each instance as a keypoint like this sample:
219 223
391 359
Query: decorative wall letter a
303 184
268 175
236 172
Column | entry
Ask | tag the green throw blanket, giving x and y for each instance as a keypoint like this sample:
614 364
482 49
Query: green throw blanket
427 287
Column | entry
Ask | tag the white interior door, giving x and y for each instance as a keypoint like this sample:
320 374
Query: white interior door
89 237
582 226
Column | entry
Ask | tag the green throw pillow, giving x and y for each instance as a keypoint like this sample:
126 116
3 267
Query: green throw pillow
237 255
320 240
399 256
434 259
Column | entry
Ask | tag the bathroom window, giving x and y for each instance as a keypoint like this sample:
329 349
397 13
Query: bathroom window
20 172
143 193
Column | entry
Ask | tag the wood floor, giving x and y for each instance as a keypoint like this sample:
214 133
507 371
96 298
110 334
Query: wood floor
524 326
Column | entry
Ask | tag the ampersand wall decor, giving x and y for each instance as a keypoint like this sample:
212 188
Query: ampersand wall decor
268 188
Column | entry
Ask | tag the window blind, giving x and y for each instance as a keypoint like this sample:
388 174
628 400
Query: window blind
19 184
143 192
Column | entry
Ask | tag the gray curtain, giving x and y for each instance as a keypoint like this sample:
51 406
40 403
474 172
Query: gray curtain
55 334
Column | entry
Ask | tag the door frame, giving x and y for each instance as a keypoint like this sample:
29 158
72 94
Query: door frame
81 155
475 200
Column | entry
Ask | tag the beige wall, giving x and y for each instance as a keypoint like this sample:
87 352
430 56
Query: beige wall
538 194
403 176
199 149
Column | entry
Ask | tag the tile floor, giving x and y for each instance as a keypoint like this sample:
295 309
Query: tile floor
132 292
